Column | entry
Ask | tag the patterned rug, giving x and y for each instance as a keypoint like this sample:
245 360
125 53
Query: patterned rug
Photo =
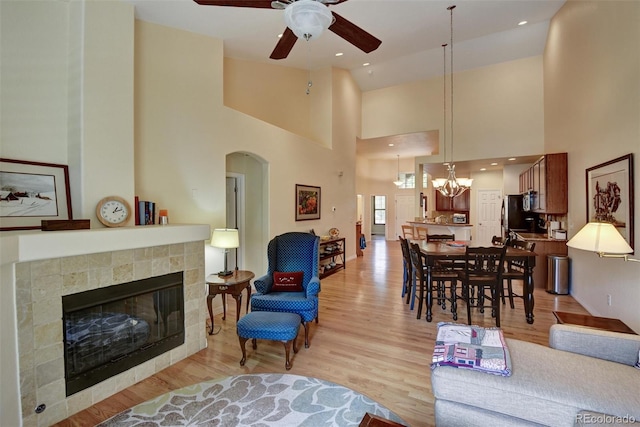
255 400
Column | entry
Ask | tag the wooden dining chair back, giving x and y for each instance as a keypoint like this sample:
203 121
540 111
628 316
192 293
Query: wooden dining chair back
441 237
498 241
421 232
424 288
482 279
515 270
407 231
407 276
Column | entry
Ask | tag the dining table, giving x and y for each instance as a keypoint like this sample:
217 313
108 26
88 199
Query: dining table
456 252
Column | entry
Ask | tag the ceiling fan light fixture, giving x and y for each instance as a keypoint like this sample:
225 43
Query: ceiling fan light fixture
307 18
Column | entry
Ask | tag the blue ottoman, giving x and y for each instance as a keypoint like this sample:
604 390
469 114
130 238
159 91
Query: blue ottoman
268 325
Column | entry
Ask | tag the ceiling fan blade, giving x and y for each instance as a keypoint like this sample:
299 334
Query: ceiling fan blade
285 44
354 34
264 4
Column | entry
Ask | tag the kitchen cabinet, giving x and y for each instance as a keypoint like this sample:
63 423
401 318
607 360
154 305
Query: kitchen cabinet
460 204
547 178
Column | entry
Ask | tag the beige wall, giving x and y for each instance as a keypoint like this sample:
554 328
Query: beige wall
592 111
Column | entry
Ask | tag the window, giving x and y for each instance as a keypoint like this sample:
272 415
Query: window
408 180
379 210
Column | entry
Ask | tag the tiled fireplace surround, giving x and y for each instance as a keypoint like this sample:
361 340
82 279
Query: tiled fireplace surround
41 283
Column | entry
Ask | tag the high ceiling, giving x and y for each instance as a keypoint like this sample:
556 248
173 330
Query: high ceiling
412 31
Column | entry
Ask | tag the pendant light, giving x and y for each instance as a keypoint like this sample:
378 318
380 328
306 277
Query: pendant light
450 186
398 181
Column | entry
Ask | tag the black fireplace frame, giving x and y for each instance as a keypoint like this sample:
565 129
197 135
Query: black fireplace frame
85 300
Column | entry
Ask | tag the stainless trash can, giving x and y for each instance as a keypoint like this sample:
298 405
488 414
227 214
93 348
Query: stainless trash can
558 274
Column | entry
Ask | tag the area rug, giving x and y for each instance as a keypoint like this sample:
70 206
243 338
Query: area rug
255 400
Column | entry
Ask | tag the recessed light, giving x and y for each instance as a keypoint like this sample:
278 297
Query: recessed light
522 23
280 35
339 54
511 159
494 164
390 145
366 64
483 169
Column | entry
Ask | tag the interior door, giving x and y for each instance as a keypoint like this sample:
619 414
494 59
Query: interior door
489 213
405 212
232 217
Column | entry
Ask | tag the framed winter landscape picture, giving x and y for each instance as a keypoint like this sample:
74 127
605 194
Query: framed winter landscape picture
610 194
31 192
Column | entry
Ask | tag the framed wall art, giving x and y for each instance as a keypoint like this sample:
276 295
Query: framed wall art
31 192
307 202
610 195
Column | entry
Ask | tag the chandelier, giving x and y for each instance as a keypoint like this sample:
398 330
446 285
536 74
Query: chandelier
450 186
398 181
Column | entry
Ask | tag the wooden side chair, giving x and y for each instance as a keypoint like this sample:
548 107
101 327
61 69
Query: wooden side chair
407 231
482 276
421 232
425 290
498 241
407 275
515 270
445 238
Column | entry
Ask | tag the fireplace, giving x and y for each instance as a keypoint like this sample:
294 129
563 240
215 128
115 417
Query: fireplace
111 329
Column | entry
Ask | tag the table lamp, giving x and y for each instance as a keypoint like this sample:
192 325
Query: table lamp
225 238
603 239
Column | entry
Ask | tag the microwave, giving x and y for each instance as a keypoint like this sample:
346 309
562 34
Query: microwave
459 218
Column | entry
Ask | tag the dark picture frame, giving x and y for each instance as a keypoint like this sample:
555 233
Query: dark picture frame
308 199
610 195
31 192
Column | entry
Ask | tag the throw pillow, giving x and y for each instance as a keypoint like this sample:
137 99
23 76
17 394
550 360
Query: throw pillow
290 281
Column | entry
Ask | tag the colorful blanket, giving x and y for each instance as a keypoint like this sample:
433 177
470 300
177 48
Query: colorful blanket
471 347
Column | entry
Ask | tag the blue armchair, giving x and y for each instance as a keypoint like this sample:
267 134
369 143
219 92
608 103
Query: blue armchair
291 252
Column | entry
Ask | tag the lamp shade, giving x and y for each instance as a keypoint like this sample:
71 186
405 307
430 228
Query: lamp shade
225 238
600 237
307 18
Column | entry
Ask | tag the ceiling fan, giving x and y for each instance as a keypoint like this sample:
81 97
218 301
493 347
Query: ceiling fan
338 25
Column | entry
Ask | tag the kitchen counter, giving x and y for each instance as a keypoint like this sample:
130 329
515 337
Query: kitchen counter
545 246
460 231
537 237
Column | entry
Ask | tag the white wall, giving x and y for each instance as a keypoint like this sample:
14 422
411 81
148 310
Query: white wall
592 111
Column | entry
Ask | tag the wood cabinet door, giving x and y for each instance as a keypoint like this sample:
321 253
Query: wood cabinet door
462 202
443 203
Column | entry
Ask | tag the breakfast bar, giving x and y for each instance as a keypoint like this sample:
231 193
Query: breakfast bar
461 231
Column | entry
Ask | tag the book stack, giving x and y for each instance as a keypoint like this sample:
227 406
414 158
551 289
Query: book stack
145 212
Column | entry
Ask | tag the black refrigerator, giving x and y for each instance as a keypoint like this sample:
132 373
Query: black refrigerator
513 217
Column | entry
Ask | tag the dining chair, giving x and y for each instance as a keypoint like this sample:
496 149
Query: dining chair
425 290
515 270
407 231
421 232
482 276
450 264
407 270
499 241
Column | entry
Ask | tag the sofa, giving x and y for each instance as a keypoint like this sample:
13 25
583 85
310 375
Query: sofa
585 377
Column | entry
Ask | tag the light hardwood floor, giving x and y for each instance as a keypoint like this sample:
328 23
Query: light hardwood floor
367 339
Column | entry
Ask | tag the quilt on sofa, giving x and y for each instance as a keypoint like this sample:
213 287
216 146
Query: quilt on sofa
471 347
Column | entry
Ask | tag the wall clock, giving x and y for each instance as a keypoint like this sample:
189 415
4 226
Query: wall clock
113 211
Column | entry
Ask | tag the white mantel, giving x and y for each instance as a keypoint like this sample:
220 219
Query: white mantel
34 245
33 308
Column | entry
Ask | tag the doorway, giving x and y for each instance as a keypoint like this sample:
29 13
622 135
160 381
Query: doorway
489 208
